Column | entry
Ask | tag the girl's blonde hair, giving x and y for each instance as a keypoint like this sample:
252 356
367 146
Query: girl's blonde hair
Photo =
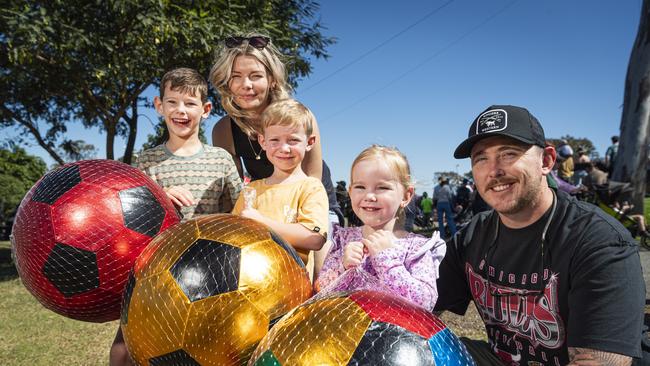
396 161
221 73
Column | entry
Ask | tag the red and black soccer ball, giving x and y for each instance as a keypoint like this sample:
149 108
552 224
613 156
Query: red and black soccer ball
78 232
360 328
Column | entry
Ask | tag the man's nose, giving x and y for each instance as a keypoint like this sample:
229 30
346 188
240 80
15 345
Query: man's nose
495 168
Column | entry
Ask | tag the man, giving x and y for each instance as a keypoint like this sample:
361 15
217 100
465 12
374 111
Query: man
555 280
595 177
610 155
426 204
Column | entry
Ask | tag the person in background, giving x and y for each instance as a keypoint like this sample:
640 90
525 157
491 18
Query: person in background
565 162
610 155
410 212
444 202
426 204
581 166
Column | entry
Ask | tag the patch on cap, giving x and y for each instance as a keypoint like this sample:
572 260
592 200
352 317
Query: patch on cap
492 121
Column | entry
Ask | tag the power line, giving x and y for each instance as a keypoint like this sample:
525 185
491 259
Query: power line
429 14
423 62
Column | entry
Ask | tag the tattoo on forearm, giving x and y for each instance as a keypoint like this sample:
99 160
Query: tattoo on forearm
591 357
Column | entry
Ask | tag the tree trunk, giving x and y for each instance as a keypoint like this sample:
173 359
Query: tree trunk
111 130
133 131
631 159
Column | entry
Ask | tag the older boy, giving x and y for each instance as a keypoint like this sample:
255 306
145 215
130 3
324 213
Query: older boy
198 178
293 204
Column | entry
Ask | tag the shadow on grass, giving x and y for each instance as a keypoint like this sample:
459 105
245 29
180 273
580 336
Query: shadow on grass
7 269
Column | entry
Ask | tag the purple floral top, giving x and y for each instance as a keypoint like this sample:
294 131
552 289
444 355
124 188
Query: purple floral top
409 270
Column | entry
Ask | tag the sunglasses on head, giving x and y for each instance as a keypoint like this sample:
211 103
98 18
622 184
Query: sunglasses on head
258 42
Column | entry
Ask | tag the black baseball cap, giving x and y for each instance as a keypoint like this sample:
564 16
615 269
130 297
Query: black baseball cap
504 120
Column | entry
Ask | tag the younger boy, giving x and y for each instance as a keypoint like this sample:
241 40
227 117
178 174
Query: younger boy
199 179
291 203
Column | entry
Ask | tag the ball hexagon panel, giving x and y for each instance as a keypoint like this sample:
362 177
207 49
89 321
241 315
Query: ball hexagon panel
176 358
142 212
71 270
78 231
56 184
207 268
360 328
210 287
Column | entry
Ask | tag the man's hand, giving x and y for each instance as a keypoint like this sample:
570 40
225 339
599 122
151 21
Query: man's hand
592 357
352 254
378 241
180 196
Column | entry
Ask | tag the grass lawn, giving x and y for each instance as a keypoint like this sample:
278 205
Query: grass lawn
30 334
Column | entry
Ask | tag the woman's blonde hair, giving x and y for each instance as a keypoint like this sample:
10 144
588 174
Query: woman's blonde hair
221 74
394 158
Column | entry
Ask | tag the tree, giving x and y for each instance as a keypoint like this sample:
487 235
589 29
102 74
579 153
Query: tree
575 143
632 156
453 177
18 173
67 61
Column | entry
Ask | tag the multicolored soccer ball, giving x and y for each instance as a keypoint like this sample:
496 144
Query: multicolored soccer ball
78 231
360 328
206 291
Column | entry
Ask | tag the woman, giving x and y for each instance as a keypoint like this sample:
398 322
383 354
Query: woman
249 75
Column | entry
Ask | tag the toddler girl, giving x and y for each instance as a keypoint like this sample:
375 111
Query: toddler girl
403 263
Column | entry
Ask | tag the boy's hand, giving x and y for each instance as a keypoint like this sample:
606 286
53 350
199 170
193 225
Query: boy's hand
352 254
378 241
180 196
252 213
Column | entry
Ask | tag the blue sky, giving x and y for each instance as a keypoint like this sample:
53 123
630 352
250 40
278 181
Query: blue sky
407 75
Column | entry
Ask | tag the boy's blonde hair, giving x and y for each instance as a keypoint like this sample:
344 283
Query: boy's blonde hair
186 81
288 112
221 74
396 161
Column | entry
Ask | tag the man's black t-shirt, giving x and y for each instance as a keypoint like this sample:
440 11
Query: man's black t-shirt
580 287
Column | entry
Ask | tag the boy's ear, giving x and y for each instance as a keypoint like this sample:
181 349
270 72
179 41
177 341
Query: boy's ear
207 107
260 139
311 140
157 103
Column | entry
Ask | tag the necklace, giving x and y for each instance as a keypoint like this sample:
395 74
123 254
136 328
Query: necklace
257 154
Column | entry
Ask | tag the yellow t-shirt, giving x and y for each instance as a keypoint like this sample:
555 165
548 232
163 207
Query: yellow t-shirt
303 202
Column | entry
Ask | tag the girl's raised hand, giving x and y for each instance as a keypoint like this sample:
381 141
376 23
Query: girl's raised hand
378 241
352 254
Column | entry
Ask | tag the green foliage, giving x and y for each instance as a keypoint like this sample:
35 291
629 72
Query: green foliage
18 173
575 143
453 177
89 61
